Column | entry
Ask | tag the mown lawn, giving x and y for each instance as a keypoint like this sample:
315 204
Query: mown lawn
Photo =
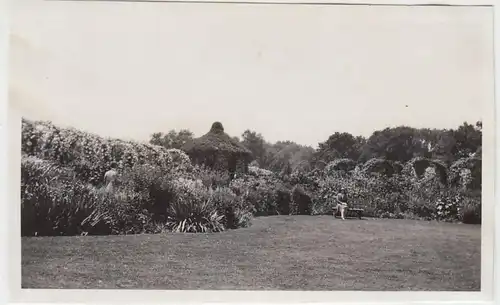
279 252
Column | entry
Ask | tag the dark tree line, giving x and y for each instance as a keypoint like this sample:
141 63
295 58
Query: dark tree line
400 143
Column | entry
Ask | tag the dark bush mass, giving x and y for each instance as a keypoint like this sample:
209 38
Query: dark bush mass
204 185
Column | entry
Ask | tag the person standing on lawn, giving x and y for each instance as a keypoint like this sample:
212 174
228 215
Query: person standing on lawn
110 177
342 202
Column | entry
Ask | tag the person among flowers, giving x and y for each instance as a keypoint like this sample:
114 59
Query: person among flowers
341 203
110 178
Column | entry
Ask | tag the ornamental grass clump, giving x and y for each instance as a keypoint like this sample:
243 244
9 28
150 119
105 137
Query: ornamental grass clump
193 210
54 202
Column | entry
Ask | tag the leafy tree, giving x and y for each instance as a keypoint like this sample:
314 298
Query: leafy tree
468 138
172 139
390 143
460 143
339 145
446 147
401 144
289 156
256 144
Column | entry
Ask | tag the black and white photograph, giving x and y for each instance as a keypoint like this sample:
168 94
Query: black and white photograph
253 146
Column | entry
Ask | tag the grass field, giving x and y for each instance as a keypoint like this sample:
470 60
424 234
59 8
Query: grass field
279 252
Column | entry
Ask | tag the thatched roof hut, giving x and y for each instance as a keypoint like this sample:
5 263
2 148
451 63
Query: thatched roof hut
218 150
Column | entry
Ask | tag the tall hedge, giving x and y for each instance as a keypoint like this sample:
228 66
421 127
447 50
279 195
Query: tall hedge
91 155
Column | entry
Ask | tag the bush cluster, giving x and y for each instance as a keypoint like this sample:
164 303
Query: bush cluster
401 194
54 201
90 155
160 189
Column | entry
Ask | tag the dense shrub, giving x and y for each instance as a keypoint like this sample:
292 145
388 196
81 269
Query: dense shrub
211 178
466 173
266 195
340 165
374 192
256 193
152 188
237 213
283 200
470 211
197 208
396 215
422 197
301 201
447 207
159 189
259 172
308 179
90 155
146 200
380 166
420 168
53 201
192 211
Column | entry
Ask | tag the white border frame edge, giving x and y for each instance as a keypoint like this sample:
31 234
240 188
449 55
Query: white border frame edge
12 264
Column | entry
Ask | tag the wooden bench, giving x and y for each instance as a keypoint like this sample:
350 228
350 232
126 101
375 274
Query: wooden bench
357 211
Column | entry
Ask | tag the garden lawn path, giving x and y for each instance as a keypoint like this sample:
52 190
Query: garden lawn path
275 253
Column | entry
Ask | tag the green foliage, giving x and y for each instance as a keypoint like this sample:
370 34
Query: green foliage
397 215
198 209
192 210
255 142
466 173
380 166
283 200
158 189
468 138
448 207
340 165
217 150
211 178
259 172
422 168
237 212
145 200
288 157
88 154
151 187
172 139
395 144
265 193
282 157
339 146
53 201
470 211
375 193
301 201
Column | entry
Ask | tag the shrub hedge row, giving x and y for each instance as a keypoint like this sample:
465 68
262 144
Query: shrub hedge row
160 190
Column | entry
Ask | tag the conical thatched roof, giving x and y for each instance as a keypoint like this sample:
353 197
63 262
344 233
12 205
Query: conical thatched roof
216 140
218 150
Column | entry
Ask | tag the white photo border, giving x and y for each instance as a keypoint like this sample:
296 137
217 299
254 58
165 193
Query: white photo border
10 127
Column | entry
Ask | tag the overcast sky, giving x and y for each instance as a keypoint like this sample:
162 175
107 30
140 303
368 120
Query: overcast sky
295 73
